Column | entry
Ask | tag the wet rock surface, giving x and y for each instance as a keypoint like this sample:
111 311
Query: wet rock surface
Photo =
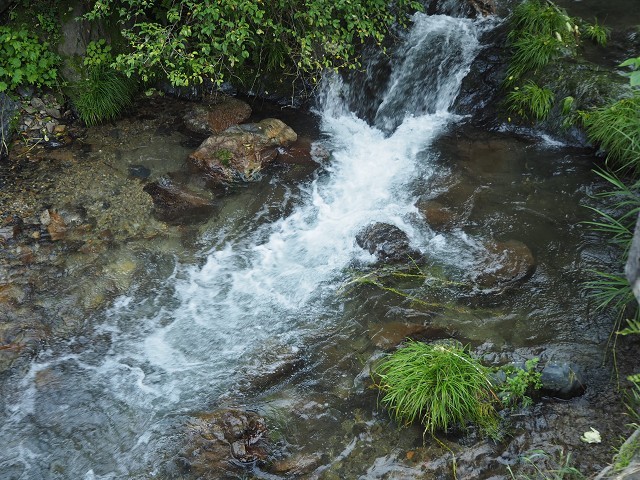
563 380
218 440
505 264
388 243
241 152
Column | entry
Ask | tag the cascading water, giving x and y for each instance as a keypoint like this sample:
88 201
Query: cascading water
105 408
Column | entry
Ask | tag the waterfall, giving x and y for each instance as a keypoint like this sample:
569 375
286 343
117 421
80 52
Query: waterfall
156 358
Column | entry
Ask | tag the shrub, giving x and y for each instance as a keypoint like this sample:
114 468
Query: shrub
25 60
439 384
190 40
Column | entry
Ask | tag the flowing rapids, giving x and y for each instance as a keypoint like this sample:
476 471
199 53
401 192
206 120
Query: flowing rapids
107 406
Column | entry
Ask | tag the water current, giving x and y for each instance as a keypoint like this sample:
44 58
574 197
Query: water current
110 405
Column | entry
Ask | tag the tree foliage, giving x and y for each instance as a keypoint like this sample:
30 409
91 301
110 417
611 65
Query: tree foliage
190 40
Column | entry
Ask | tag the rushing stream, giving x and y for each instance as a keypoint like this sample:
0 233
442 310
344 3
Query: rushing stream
111 404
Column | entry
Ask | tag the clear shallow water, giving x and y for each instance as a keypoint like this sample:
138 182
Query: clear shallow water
112 404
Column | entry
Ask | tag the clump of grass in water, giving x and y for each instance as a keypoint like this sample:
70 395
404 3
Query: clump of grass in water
597 33
530 101
440 385
612 290
539 31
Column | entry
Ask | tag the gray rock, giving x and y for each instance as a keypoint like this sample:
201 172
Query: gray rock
240 153
139 171
37 103
387 242
53 112
563 380
632 268
8 112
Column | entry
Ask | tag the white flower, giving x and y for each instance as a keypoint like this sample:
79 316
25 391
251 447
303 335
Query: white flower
592 436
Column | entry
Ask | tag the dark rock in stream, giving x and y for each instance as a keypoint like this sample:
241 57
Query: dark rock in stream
174 203
218 440
388 243
139 171
562 380
632 268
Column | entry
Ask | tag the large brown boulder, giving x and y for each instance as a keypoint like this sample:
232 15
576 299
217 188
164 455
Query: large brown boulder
239 153
223 113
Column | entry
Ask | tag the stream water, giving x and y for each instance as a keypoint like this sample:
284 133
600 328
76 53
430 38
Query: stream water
272 273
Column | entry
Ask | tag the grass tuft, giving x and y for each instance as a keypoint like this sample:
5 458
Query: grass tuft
103 95
530 101
616 128
597 33
440 385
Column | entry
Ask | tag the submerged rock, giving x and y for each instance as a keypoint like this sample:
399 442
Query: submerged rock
505 264
438 216
391 334
388 243
240 153
296 465
216 118
175 203
214 441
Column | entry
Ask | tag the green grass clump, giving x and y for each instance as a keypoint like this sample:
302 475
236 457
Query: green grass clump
539 32
531 52
541 18
616 128
440 385
530 101
611 290
102 95
597 33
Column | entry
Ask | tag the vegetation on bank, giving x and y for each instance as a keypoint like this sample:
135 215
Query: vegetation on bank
191 41
188 43
541 33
